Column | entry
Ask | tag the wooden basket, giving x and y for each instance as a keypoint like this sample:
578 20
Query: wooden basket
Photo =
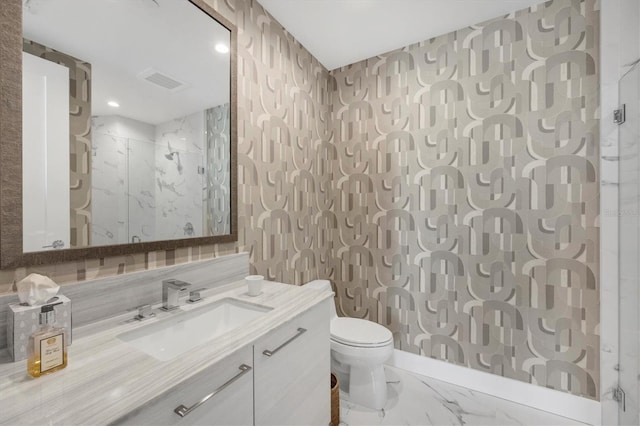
335 401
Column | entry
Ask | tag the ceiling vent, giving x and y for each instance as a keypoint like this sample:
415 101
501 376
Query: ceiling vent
161 80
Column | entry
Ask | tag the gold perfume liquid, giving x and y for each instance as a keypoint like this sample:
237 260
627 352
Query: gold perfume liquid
47 348
33 366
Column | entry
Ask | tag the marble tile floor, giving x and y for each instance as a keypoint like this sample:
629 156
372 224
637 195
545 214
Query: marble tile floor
419 400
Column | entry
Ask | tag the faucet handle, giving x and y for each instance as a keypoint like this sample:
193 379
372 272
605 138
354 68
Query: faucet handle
144 312
194 295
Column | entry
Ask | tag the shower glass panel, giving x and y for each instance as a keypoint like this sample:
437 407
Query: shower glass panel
630 248
109 204
140 193
146 191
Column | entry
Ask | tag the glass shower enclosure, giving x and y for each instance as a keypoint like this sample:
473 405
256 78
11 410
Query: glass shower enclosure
144 191
629 233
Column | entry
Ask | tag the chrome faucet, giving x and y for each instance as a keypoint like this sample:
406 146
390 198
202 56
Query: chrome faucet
171 291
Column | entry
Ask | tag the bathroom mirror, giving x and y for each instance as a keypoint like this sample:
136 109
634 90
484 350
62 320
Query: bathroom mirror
118 127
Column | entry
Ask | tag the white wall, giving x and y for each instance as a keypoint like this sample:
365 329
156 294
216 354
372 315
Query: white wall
45 139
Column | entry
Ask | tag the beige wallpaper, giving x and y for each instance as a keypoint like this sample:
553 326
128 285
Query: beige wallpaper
467 195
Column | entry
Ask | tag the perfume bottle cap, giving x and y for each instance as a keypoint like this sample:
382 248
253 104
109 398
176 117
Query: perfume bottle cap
48 314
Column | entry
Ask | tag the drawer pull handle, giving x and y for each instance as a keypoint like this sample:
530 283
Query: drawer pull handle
298 334
182 411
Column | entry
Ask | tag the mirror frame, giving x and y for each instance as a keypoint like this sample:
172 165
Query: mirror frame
11 255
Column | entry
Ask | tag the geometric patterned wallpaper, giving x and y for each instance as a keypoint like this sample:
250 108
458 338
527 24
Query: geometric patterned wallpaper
284 187
467 195
448 188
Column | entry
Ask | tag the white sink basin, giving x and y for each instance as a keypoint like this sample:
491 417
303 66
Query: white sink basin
171 337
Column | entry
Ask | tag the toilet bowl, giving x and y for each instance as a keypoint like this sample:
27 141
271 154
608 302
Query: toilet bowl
359 349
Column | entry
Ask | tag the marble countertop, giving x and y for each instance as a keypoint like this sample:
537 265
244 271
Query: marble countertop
106 378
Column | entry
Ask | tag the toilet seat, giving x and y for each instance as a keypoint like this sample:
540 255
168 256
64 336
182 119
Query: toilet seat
359 333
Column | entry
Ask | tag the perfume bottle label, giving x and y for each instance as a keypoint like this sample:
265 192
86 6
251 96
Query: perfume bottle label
51 352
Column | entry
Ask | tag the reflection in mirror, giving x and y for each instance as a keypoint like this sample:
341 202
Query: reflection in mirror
126 123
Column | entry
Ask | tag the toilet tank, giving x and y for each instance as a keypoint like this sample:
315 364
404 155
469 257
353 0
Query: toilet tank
323 285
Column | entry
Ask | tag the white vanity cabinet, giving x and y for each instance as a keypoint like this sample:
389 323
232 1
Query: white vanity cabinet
281 378
291 375
231 383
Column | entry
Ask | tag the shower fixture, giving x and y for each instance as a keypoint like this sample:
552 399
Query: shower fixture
174 155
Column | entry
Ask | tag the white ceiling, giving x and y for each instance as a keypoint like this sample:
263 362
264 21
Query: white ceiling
342 32
123 38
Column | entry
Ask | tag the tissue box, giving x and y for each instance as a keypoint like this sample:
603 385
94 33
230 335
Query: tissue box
24 320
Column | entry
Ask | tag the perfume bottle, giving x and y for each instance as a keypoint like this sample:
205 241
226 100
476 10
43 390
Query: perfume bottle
47 348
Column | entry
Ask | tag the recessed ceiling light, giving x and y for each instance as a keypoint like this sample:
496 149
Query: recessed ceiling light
222 48
113 104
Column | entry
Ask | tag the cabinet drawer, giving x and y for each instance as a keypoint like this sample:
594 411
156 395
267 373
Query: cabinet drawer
231 405
291 375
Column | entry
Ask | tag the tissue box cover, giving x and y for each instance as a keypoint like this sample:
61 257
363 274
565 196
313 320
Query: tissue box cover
24 320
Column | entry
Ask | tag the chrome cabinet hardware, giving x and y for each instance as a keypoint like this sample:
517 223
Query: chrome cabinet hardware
182 411
298 334
144 312
194 295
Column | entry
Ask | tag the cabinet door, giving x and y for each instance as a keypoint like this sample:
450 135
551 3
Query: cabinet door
232 404
291 376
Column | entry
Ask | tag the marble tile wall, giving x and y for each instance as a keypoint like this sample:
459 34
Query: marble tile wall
109 173
178 183
467 195
123 168
142 206
142 190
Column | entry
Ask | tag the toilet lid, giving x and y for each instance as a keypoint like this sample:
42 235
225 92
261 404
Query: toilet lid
359 332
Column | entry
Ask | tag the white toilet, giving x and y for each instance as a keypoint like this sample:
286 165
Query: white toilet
359 349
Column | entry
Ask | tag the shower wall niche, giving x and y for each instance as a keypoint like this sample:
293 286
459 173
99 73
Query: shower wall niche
151 182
